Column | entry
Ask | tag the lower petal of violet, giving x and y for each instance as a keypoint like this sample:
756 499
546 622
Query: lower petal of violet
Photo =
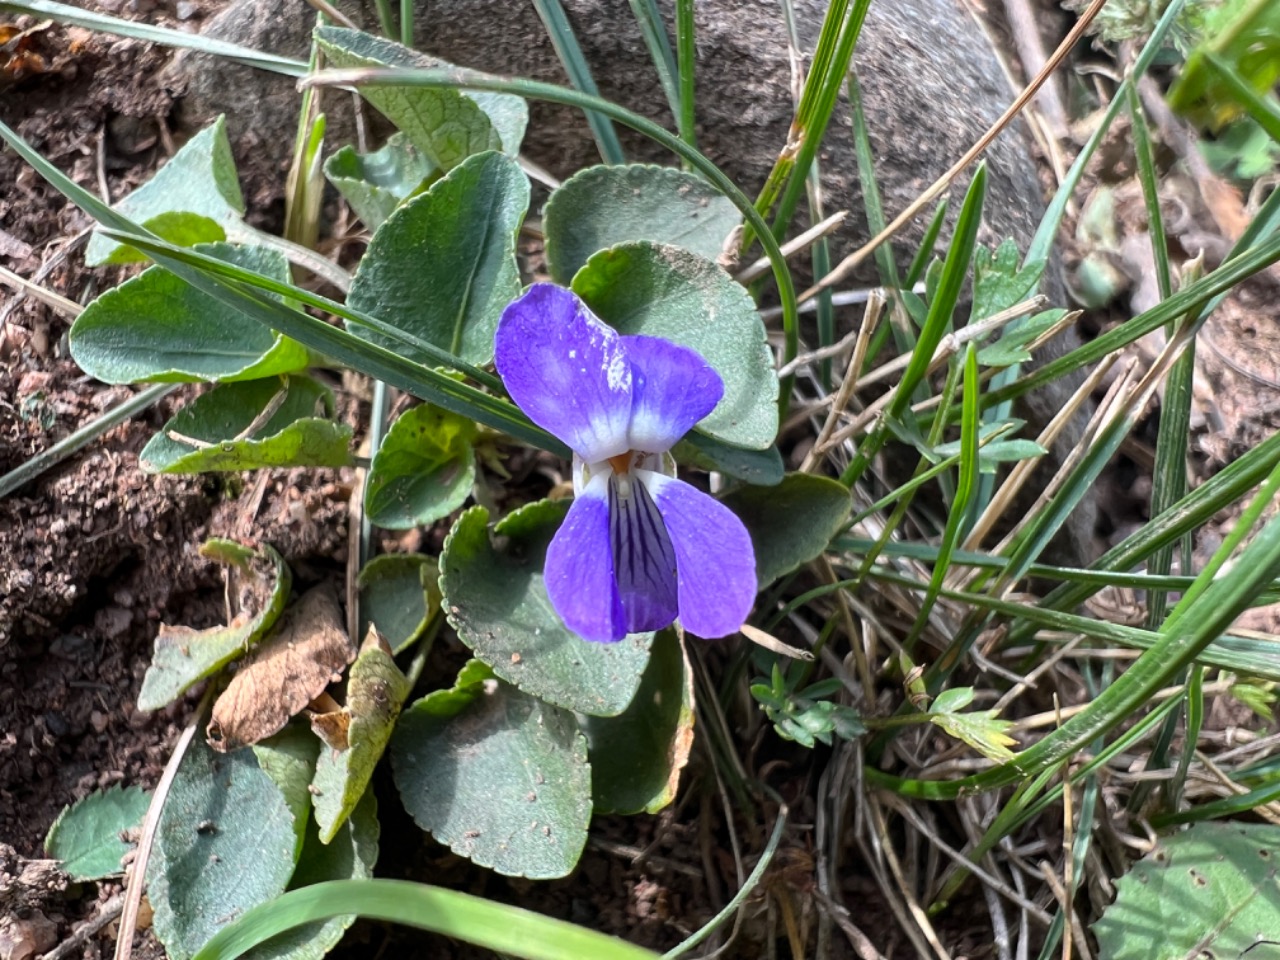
643 559
715 562
578 571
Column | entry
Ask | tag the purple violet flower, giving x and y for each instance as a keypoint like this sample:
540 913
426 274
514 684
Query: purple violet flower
638 547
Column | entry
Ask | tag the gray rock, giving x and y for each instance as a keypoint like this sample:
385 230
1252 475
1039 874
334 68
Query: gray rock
931 86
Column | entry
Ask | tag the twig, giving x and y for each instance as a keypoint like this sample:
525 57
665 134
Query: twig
1030 47
68 308
792 247
80 936
138 873
851 262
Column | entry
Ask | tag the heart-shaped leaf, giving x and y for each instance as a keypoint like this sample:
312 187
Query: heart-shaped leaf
184 656
603 206
760 468
495 598
226 842
399 594
86 835
376 689
376 183
637 756
500 777
663 291
447 125
791 523
209 434
423 471
192 199
158 327
443 266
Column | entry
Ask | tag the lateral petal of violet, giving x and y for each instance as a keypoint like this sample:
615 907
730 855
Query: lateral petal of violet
578 570
673 389
643 558
715 562
566 370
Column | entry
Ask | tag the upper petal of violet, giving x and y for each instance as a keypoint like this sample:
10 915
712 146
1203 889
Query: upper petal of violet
673 389
578 570
567 370
715 562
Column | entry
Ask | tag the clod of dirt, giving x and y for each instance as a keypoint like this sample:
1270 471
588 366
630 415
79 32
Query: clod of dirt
308 650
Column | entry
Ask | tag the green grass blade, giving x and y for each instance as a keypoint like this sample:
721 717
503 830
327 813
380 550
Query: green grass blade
655 36
310 331
1233 806
921 261
1262 110
936 323
575 65
965 489
214 267
812 124
494 926
62 13
872 204
687 57
406 23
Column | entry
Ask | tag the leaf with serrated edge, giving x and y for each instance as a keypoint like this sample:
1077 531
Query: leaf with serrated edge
443 267
447 125
424 469
184 656
662 291
298 434
376 690
197 181
400 595
500 777
306 652
790 523
637 756
602 206
226 842
157 327
495 598
86 835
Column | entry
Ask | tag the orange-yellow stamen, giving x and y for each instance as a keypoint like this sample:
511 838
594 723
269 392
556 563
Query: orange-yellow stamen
621 463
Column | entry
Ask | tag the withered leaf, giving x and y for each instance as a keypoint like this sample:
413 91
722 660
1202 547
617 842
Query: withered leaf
259 582
376 690
305 653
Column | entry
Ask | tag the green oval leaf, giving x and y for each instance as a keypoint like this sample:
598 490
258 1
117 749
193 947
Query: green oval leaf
495 598
760 468
791 523
86 835
637 756
663 291
192 198
158 327
423 471
1211 891
226 842
350 856
443 266
399 594
376 183
500 777
604 206
207 434
447 125
376 689
184 656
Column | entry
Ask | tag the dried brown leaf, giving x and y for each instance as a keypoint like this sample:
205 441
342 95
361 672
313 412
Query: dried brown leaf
307 651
